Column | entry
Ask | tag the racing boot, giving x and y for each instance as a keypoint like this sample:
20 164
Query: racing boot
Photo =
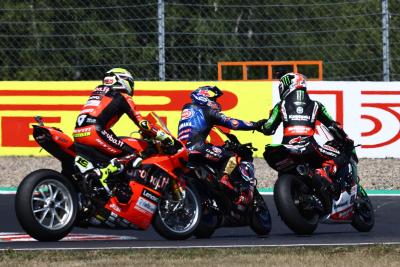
324 177
228 169
116 165
225 182
245 198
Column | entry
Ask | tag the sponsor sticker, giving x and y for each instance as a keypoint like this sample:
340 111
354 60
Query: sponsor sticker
145 205
115 207
299 110
78 135
185 124
150 196
235 123
186 114
110 80
299 117
92 103
216 149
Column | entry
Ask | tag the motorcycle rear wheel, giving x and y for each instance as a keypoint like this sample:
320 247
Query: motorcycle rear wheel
260 221
364 218
46 205
287 196
180 223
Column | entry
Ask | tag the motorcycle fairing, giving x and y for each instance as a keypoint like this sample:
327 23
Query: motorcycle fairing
58 144
342 209
141 207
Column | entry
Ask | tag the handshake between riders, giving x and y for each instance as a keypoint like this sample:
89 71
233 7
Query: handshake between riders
113 98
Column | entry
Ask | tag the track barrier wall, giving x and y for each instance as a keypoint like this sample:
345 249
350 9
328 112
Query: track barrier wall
369 111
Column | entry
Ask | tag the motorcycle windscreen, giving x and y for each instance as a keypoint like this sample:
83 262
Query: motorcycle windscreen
155 119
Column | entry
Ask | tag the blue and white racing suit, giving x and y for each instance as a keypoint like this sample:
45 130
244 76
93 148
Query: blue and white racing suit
195 125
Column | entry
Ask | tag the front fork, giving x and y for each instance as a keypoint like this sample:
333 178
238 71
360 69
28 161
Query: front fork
178 189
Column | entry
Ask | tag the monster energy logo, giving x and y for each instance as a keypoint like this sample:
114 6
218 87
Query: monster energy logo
300 95
286 80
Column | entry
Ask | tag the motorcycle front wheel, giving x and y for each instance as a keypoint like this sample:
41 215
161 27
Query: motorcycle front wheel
46 205
209 221
363 218
290 195
260 220
178 219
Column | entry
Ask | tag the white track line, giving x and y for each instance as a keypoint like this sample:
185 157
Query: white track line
212 246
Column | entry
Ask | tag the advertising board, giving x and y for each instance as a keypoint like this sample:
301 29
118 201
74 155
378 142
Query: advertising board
368 111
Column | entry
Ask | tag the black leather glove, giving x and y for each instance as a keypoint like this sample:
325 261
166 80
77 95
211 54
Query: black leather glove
259 125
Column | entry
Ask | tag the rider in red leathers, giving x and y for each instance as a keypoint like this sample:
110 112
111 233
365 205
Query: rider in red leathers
106 104
299 114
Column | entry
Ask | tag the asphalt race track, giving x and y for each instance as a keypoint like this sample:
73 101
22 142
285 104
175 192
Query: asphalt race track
386 230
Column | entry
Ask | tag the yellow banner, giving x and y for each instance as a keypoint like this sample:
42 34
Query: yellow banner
60 102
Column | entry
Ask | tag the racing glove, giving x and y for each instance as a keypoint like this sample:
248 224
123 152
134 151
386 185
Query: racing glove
164 138
258 126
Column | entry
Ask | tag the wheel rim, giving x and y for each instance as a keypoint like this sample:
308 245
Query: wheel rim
52 204
364 210
298 196
180 217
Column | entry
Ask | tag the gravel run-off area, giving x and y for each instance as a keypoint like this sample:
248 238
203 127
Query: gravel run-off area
374 173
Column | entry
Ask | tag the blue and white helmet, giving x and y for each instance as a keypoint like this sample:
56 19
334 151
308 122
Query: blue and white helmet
207 96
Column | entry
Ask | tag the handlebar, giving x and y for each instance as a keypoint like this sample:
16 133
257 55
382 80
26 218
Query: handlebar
237 147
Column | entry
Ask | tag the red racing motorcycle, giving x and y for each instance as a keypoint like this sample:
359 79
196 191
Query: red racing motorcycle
49 204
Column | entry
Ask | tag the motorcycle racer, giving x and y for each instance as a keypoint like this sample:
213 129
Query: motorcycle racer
299 114
106 104
197 120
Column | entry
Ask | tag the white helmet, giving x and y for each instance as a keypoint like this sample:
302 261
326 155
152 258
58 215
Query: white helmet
120 79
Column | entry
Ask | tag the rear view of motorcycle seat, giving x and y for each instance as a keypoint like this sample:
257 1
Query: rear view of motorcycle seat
91 154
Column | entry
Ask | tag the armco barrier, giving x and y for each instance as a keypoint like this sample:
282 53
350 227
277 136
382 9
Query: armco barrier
369 111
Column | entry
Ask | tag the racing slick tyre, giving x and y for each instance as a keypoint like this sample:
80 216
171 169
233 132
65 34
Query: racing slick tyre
260 220
46 205
363 218
178 219
289 196
209 221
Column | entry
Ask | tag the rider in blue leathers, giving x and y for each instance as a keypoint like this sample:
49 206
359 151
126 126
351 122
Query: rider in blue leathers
197 119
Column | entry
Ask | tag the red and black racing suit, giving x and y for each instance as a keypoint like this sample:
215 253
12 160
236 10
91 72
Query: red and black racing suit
102 110
299 115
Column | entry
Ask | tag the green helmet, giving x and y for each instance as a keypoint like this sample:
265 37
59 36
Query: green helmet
120 79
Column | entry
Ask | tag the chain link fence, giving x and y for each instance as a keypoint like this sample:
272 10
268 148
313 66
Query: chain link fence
184 40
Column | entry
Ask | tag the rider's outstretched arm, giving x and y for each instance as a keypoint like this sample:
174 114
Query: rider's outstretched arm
270 126
221 119
143 124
